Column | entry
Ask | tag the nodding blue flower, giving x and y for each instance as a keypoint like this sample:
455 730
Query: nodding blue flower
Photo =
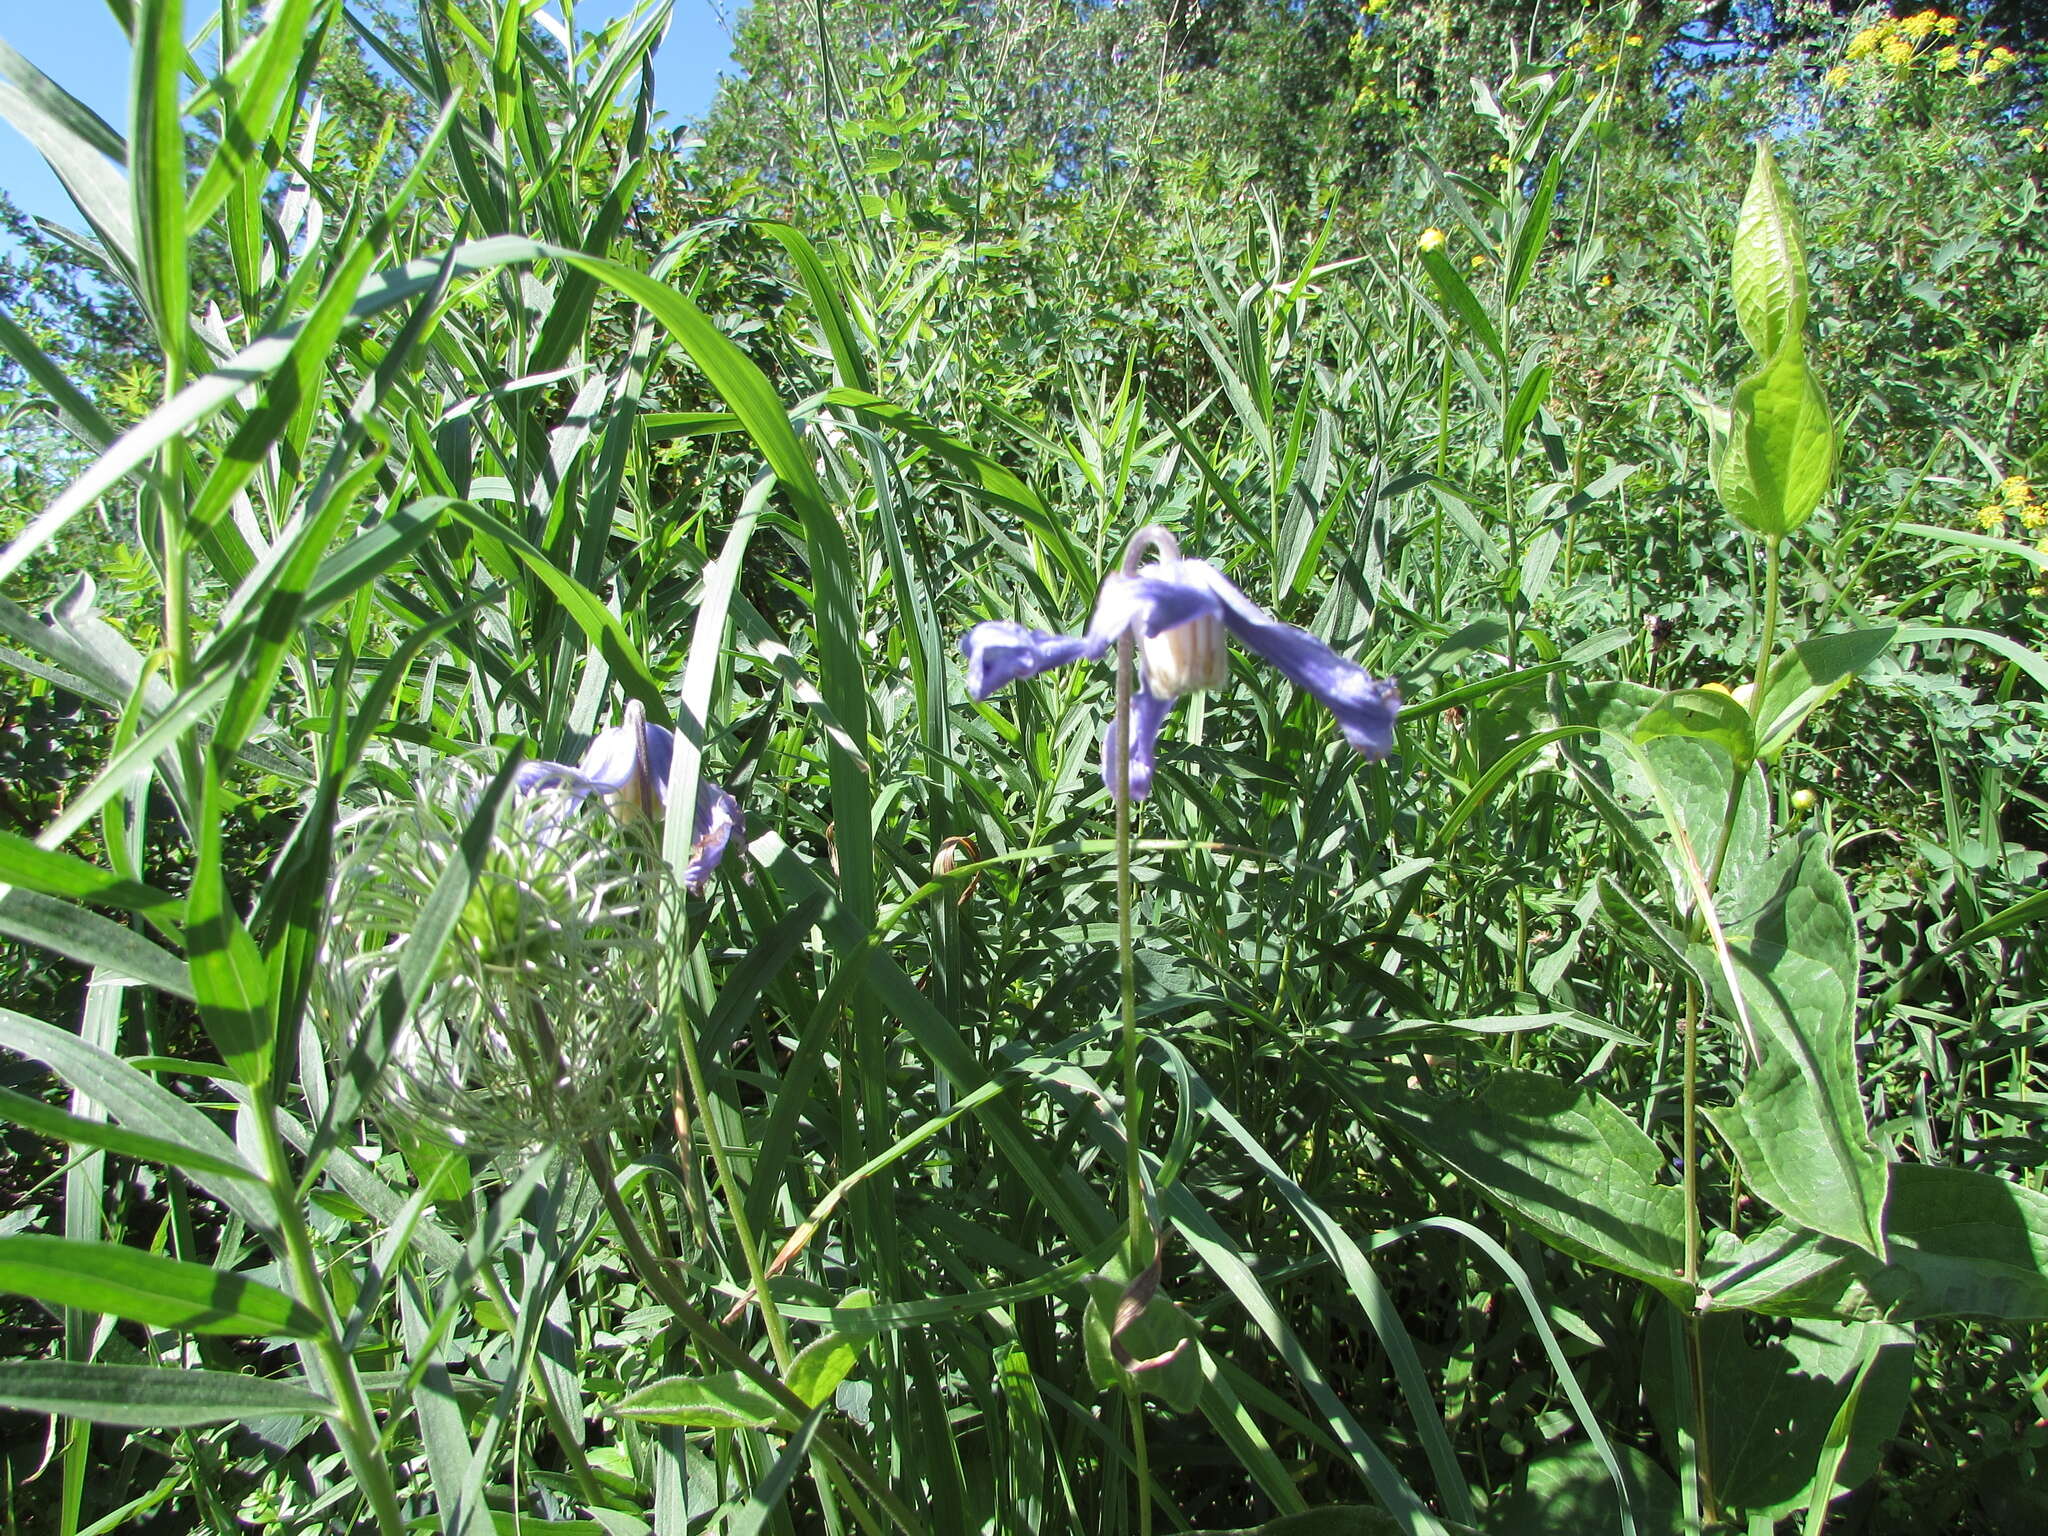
628 767
1178 612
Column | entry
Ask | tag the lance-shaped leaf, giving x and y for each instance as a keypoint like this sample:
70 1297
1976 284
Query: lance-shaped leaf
1807 676
1770 260
145 1397
148 1288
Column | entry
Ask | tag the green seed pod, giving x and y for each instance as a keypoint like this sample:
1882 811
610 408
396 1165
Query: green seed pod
539 1021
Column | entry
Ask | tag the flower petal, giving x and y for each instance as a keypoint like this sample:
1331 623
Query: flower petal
1148 714
718 822
999 651
1365 706
1162 598
543 774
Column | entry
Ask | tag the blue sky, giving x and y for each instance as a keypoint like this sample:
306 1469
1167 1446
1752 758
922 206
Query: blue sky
77 44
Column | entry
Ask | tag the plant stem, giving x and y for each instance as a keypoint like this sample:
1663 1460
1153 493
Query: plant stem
1127 971
1141 1459
1767 642
355 1430
1689 1028
1150 538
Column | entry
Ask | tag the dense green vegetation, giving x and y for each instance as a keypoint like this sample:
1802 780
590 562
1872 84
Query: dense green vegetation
1615 1108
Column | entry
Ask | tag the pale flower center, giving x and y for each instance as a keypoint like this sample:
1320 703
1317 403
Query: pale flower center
1185 658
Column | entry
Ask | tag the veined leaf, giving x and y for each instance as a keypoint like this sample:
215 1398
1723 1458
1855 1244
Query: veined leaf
149 1288
146 1397
1770 260
1797 1123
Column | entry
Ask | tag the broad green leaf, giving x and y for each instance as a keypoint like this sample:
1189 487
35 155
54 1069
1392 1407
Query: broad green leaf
2027 659
1778 457
85 154
1528 246
820 1366
252 89
1770 260
1704 714
1807 676
1974 1244
1563 1161
1770 1404
1786 1271
1797 1123
1571 1493
726 1400
149 1288
824 292
145 1397
1160 1332
156 162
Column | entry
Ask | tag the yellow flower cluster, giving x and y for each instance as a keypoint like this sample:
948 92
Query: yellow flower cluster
1432 239
1902 42
2018 499
1602 50
1901 30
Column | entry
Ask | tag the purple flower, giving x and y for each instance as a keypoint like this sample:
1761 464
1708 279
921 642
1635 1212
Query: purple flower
628 766
1178 612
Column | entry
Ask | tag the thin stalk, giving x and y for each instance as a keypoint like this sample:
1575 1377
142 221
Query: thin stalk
355 1430
1150 539
1127 971
1695 1352
712 1340
1140 1235
1141 1460
735 1197
1767 642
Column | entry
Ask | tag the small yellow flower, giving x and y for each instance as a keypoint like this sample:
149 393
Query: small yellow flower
1991 519
1898 51
1865 43
1478 262
1947 59
1432 239
1839 76
2034 515
1920 24
2015 490
2000 58
1947 26
1635 39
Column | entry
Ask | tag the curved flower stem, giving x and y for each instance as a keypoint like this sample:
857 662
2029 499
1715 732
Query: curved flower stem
712 1340
1152 537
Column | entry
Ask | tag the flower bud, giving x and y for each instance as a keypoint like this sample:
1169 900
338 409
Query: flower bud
1185 658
